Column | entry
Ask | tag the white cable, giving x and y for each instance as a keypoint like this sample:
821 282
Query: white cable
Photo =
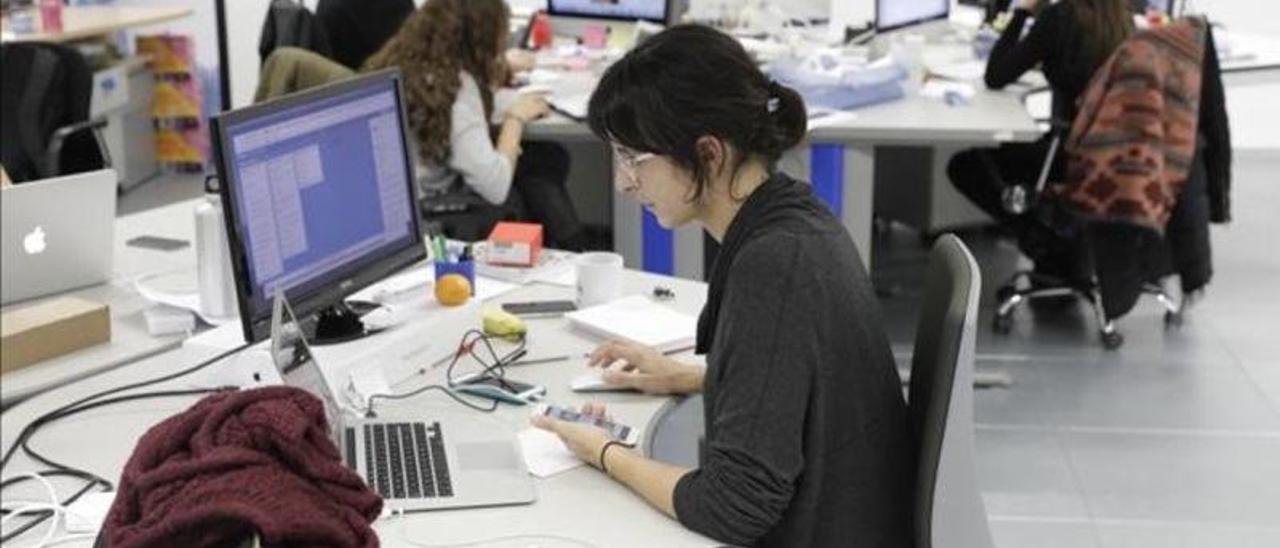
67 538
492 540
54 506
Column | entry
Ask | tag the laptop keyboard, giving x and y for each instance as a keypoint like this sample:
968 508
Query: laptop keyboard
405 460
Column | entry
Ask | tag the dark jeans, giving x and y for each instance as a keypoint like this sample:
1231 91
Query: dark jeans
538 194
983 174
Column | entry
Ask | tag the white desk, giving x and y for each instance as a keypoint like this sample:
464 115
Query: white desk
581 504
845 180
130 340
89 22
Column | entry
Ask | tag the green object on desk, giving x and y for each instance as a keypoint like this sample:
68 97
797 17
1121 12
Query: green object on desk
441 249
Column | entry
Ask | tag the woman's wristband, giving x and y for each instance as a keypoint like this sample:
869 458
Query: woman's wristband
605 451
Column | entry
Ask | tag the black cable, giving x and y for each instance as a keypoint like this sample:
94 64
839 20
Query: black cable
39 421
496 370
26 448
373 399
63 469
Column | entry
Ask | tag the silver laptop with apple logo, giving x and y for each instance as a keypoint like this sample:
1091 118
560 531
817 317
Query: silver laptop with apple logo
57 234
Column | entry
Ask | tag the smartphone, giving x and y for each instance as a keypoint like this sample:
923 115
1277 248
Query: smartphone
536 308
615 431
501 389
157 243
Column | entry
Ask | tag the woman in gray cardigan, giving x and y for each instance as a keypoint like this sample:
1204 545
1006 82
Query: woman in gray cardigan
807 439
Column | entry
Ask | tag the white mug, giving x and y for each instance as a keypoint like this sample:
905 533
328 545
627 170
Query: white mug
599 278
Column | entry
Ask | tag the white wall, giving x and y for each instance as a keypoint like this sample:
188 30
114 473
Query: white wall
244 28
1258 16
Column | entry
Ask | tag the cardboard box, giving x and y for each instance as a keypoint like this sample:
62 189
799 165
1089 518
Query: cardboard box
515 244
50 329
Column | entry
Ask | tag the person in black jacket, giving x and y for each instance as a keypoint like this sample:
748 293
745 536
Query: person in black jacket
358 28
807 436
1069 41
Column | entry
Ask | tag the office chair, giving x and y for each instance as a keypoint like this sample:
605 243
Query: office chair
44 102
1057 229
948 507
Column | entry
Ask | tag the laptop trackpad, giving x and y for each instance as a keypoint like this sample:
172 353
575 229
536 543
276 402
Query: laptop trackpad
487 456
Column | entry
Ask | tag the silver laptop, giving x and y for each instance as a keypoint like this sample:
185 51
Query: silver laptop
57 234
415 465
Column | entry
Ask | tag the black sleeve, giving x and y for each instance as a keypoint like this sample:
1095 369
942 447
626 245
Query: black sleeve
1013 55
1216 134
750 467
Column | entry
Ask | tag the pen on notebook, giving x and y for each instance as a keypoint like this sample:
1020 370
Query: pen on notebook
548 359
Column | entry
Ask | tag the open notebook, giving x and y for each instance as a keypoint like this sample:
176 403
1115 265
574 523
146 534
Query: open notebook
640 320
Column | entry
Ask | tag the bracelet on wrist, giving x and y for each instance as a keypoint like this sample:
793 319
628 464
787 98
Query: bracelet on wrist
605 451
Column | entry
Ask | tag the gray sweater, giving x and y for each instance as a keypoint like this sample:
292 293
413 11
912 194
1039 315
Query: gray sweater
807 438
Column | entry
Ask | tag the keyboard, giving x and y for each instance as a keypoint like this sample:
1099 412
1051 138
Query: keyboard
404 460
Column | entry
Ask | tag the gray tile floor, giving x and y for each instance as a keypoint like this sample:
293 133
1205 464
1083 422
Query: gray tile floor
1172 441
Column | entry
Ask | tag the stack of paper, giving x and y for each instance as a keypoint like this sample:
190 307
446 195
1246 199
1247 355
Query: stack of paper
640 320
552 265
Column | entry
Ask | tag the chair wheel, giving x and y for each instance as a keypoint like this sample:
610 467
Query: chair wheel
1002 324
1173 319
1113 340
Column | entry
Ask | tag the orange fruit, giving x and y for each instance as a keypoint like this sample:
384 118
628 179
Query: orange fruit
453 290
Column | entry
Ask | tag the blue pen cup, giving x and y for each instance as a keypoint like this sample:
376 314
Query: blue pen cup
467 269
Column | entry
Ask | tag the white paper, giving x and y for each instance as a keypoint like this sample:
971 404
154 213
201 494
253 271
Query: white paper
640 320
938 89
964 71
418 281
564 277
177 299
545 454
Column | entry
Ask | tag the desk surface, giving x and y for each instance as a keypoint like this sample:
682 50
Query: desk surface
130 340
577 507
80 22
991 117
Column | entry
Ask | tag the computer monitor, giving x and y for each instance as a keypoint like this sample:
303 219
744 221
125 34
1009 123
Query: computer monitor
656 11
896 14
318 194
1166 7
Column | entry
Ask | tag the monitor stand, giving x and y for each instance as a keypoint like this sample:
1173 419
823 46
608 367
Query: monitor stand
339 323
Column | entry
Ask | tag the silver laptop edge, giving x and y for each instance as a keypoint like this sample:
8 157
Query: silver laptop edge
57 234
486 467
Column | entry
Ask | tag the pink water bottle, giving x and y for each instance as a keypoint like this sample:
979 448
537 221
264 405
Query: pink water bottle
51 15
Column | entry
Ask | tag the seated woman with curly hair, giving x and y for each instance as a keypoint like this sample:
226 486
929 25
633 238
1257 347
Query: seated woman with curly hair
451 53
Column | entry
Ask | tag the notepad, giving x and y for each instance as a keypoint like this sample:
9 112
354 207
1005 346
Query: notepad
544 454
640 320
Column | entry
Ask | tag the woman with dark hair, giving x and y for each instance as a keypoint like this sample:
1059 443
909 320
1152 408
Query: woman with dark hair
807 437
451 53
1069 41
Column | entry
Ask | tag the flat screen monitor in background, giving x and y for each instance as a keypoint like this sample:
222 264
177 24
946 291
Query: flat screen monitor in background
896 14
1166 7
655 11
318 193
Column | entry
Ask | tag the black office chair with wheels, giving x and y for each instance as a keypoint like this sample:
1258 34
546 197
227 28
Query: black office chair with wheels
44 102
1050 231
948 506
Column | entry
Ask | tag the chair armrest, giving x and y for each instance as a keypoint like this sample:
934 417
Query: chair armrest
59 139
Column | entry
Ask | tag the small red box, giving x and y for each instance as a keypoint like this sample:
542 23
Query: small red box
515 244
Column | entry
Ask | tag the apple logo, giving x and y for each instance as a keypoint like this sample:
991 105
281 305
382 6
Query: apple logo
34 243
